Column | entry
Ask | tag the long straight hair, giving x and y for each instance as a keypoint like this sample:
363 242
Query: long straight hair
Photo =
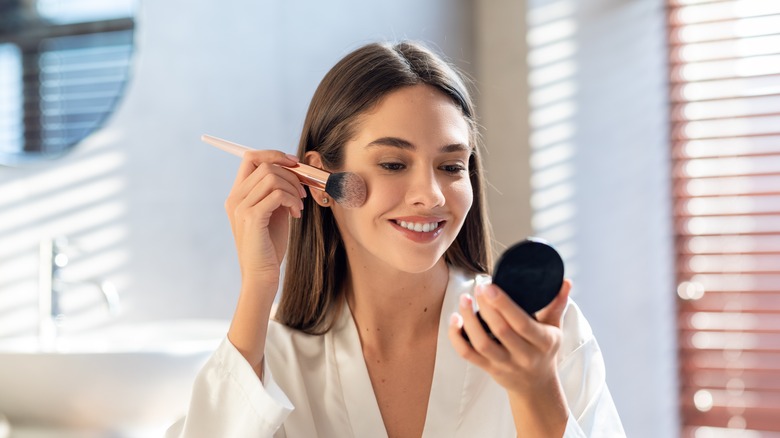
316 259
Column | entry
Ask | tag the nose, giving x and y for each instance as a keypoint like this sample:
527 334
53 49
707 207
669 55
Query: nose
425 190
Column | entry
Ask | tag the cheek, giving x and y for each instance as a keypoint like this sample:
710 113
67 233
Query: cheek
382 192
462 196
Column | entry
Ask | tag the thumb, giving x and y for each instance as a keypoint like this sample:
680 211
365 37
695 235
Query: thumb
553 313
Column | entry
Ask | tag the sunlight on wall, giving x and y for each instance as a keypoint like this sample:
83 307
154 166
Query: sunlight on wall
551 43
80 199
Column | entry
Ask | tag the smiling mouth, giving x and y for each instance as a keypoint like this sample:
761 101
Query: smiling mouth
419 227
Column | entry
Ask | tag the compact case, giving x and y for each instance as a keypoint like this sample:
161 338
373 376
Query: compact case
531 273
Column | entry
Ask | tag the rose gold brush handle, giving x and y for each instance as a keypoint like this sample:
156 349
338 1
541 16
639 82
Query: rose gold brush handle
311 176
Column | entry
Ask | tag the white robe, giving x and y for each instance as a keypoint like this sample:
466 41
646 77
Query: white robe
318 386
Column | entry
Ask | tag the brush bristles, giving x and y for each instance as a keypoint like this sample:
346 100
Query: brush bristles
346 188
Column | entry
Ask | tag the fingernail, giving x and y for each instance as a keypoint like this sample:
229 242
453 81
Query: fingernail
292 157
465 300
456 320
485 291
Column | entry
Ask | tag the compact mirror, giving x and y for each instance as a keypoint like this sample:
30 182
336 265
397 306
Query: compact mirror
531 273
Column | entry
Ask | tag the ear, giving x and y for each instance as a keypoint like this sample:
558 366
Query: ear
313 158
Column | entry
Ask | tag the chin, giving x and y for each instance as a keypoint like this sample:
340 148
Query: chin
417 264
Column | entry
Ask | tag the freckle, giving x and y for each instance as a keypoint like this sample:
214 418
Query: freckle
378 362
383 380
410 304
425 310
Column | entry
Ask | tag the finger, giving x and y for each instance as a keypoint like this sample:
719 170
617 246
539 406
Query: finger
253 159
513 341
518 319
264 204
265 178
462 347
480 341
269 183
553 313
262 172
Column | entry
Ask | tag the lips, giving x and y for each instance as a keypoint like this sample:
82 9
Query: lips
419 229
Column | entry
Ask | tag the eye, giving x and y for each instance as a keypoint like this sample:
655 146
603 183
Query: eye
392 166
454 169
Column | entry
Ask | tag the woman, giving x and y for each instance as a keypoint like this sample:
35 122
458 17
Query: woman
366 340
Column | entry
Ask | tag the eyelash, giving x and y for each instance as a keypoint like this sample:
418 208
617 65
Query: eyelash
452 169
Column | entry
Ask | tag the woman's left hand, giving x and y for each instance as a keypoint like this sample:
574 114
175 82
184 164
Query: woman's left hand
525 363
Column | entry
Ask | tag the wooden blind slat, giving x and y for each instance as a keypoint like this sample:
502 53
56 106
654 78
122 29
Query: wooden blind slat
727 167
727 245
722 11
725 69
691 91
729 29
726 49
728 128
727 108
712 148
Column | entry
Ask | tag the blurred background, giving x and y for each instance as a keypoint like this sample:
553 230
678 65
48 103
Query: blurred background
641 137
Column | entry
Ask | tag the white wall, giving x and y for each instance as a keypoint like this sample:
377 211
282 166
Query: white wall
143 197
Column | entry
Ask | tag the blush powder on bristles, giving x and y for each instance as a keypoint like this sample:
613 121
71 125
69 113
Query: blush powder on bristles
346 188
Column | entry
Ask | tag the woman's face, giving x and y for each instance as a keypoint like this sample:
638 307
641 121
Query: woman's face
413 152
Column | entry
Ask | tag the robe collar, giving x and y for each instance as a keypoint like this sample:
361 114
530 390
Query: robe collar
453 377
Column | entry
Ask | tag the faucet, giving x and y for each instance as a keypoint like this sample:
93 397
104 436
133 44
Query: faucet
52 259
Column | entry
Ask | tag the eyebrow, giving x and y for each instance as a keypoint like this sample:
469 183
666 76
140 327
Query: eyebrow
404 144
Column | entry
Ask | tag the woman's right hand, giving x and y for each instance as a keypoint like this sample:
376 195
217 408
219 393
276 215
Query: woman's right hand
258 206
262 197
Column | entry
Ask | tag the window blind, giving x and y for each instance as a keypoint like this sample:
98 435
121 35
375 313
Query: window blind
725 116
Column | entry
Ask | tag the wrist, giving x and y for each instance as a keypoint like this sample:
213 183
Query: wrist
261 277
542 411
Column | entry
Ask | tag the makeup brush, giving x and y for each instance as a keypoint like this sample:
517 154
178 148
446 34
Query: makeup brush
346 188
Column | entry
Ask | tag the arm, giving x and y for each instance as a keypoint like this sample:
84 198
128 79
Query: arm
260 203
233 394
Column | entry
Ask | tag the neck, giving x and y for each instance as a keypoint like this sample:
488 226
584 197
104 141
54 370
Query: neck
395 309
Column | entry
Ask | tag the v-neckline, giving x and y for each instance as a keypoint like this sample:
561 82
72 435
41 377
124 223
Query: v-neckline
449 372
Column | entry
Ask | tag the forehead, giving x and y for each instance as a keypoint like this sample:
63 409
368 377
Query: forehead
419 114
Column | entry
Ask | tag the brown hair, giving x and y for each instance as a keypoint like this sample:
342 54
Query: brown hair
316 260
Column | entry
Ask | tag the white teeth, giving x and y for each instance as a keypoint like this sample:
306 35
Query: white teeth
419 227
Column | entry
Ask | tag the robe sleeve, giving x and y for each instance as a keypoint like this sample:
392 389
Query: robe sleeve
229 400
592 413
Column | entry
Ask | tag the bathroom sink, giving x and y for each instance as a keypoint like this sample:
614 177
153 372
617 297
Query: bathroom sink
131 377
